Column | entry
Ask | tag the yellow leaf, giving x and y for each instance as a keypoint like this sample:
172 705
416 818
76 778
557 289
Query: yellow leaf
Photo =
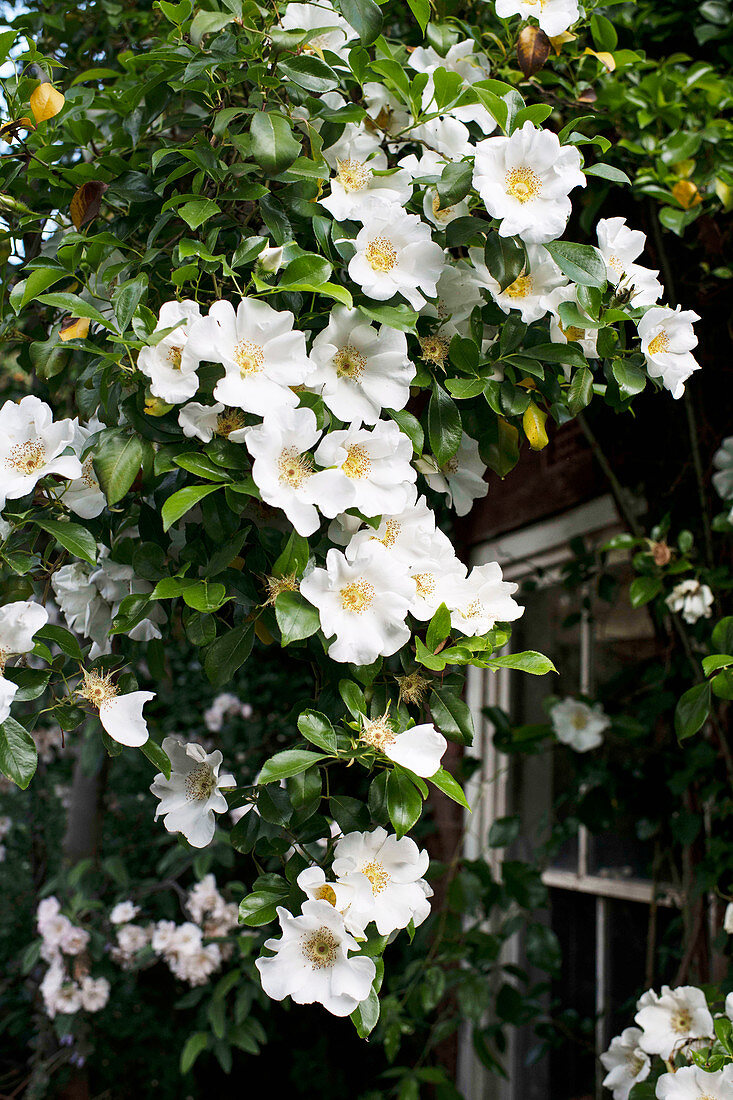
724 191
154 406
687 194
46 102
684 168
74 328
533 423
559 40
11 130
263 633
606 59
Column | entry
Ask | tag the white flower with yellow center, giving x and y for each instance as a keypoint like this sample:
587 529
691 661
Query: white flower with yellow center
673 1018
667 340
193 794
314 884
363 603
525 181
367 469
360 369
553 16
171 364
625 1063
461 478
282 468
84 495
576 724
692 600
356 192
356 143
528 291
565 334
395 870
261 354
395 254
120 715
406 537
386 112
459 292
432 164
620 247
205 421
313 961
327 29
420 748
31 446
435 577
19 622
482 600
696 1083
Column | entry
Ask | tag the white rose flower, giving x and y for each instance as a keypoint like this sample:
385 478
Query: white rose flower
692 600
405 536
193 794
460 58
363 603
171 365
482 600
626 1063
436 577
459 292
282 470
694 1083
366 469
120 715
355 144
395 870
311 961
74 940
528 292
461 478
84 495
432 164
114 581
395 254
94 993
123 912
554 16
420 748
19 622
31 446
85 611
578 725
261 353
672 1019
723 463
620 247
360 369
525 181
314 884
200 421
357 193
387 112
446 135
587 338
667 341
327 29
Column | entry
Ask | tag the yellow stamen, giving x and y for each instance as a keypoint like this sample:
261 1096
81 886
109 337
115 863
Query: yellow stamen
523 184
357 464
357 596
381 254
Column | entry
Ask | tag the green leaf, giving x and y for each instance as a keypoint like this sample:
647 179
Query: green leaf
446 783
580 390
296 618
582 263
317 729
309 72
644 589
260 906
201 466
73 537
543 948
505 257
723 635
117 459
195 1044
716 661
273 145
18 755
365 17
504 831
183 501
228 653
126 299
410 426
421 10
692 711
528 661
306 272
454 183
76 306
607 172
63 638
400 317
209 22
631 380
438 628
40 279
452 715
157 757
289 762
198 211
445 430
204 596
31 682
366 1014
404 804
353 698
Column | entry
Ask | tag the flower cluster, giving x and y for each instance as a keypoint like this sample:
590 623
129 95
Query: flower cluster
675 1026
67 986
226 705
377 879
